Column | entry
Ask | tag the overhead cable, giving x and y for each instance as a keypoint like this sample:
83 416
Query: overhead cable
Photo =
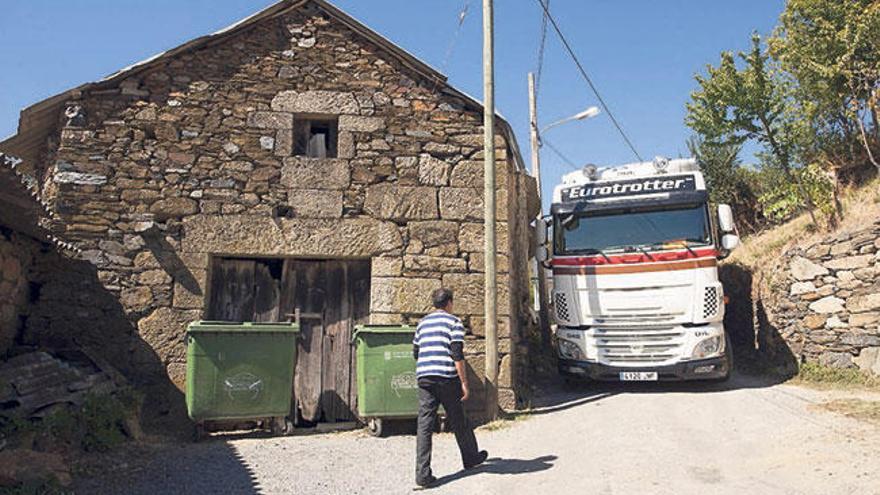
545 6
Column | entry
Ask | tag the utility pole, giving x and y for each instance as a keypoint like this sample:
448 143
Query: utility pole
490 284
543 317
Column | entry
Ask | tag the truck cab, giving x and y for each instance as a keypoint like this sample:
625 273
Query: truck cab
635 288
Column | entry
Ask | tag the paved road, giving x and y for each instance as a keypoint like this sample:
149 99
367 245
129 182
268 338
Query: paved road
744 438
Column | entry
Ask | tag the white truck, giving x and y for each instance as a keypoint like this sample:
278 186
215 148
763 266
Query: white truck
635 292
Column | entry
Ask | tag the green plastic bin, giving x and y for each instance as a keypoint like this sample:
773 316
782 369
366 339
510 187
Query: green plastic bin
386 375
240 371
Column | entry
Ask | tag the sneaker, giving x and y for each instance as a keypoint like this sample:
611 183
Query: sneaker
426 483
479 459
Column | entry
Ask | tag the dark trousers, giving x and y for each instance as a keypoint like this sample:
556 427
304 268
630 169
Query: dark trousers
433 392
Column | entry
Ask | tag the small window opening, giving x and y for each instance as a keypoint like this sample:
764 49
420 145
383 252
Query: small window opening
316 137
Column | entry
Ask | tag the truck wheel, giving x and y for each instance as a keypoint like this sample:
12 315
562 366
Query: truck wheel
376 427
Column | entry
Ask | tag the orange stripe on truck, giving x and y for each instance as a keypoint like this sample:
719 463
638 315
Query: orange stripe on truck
635 268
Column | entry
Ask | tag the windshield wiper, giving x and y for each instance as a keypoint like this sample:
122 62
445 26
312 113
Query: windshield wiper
640 247
595 251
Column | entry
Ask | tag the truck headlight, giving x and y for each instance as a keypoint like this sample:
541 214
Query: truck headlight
709 347
570 350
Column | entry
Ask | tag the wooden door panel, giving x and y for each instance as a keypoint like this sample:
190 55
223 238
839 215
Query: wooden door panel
267 293
232 290
310 299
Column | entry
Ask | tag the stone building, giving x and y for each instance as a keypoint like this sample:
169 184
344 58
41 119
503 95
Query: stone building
294 161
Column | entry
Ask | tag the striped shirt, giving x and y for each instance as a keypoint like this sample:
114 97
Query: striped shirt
434 337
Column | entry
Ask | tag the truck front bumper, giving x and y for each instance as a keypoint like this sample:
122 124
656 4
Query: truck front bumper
704 369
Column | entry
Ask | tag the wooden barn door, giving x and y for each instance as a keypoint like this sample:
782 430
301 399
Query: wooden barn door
331 297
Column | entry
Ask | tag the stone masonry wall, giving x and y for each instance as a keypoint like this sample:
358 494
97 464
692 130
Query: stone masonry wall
193 158
828 309
16 255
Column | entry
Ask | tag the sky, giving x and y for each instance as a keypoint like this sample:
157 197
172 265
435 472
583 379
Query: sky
641 54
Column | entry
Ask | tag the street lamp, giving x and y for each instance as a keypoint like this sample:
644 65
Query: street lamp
586 114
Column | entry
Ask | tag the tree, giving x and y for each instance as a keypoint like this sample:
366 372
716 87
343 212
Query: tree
733 106
832 49
727 180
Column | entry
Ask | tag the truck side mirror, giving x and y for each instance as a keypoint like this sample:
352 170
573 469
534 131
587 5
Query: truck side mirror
541 227
729 242
725 218
542 254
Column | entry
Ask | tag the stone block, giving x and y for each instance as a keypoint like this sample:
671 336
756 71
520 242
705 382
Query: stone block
461 203
478 326
421 263
477 263
283 142
468 173
315 203
357 123
505 372
868 360
863 302
863 319
849 262
386 319
799 288
818 250
173 208
433 171
836 359
136 299
345 146
841 248
827 305
860 340
814 321
470 237
326 102
249 235
434 234
270 120
468 290
386 267
165 330
804 269
464 203
301 172
402 295
392 202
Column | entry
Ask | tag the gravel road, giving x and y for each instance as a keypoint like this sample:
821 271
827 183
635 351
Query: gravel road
744 437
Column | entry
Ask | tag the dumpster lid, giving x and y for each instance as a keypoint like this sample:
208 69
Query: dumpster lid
241 326
383 329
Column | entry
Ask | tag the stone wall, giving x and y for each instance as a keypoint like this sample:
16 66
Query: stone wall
192 157
827 308
16 254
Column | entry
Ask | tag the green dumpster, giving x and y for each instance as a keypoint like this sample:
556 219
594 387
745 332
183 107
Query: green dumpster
240 371
386 375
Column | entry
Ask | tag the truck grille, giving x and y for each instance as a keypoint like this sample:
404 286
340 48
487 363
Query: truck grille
711 302
561 303
628 346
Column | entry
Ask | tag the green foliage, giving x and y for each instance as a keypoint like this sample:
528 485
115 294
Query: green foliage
815 373
36 487
781 199
727 180
809 99
735 105
96 426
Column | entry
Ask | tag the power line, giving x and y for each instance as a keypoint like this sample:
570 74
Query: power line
462 15
546 9
558 153
540 65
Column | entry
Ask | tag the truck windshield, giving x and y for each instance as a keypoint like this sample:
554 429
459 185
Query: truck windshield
600 232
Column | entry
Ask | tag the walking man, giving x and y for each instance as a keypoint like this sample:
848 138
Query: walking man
438 347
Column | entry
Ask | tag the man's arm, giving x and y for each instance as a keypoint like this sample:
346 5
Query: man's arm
456 350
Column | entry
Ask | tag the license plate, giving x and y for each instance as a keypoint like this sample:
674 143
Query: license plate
638 376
